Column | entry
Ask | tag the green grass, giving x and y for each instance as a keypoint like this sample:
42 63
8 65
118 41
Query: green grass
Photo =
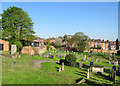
22 72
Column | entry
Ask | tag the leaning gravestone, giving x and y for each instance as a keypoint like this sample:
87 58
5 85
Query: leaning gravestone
80 65
13 49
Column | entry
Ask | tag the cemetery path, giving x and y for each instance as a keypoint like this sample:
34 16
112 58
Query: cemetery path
38 63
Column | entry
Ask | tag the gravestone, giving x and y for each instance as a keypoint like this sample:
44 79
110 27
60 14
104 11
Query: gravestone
114 68
115 62
80 65
88 73
88 59
109 62
13 49
91 63
59 69
100 60
62 65
84 58
96 60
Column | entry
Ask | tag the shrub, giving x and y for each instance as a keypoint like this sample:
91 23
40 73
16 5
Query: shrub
70 60
19 46
118 52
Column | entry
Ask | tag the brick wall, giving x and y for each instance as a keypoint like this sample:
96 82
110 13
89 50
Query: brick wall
6 45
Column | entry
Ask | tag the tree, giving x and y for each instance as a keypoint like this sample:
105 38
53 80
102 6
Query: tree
117 44
70 60
57 43
16 25
80 41
65 39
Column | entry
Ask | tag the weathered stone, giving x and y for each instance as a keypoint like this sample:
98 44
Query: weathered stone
59 69
80 65
88 73
14 56
81 81
62 65
13 49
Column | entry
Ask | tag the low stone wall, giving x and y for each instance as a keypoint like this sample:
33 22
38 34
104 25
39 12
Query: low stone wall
26 49
34 50
102 51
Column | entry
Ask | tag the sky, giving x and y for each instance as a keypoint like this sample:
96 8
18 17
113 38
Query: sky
98 20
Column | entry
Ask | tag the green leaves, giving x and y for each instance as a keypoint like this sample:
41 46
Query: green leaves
16 25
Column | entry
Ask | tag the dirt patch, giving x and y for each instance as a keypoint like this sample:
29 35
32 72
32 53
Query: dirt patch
38 63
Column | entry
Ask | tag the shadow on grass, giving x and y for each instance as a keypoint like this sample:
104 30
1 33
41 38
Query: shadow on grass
89 82
106 70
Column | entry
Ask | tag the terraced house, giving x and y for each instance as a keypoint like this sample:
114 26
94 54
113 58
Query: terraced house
106 46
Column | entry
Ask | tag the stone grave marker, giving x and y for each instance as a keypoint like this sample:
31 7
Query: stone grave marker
62 65
59 69
13 49
88 73
97 60
80 65
115 62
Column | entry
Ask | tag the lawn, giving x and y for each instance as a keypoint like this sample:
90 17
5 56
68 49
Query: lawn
23 72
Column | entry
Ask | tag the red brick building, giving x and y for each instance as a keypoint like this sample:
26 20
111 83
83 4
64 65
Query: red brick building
4 45
105 45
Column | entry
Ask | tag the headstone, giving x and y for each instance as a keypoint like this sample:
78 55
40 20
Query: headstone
114 68
100 60
82 81
88 74
109 62
62 65
96 60
13 49
59 69
115 62
91 63
80 65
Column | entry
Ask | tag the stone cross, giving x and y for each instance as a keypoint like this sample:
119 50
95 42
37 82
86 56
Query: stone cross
62 65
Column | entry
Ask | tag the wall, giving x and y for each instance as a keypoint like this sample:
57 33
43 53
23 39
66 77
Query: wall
6 45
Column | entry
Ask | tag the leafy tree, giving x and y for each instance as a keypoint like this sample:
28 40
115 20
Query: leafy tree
117 44
80 41
16 25
70 60
57 43
65 39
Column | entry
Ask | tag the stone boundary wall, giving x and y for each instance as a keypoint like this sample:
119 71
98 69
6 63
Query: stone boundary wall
103 51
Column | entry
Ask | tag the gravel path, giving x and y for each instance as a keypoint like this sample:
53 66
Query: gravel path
38 63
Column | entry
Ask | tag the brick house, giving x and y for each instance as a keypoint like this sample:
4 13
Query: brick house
105 45
4 45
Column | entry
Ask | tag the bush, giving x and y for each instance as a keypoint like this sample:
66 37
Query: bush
70 60
19 46
118 52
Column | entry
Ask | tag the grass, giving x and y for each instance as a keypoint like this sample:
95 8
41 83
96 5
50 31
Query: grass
23 72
